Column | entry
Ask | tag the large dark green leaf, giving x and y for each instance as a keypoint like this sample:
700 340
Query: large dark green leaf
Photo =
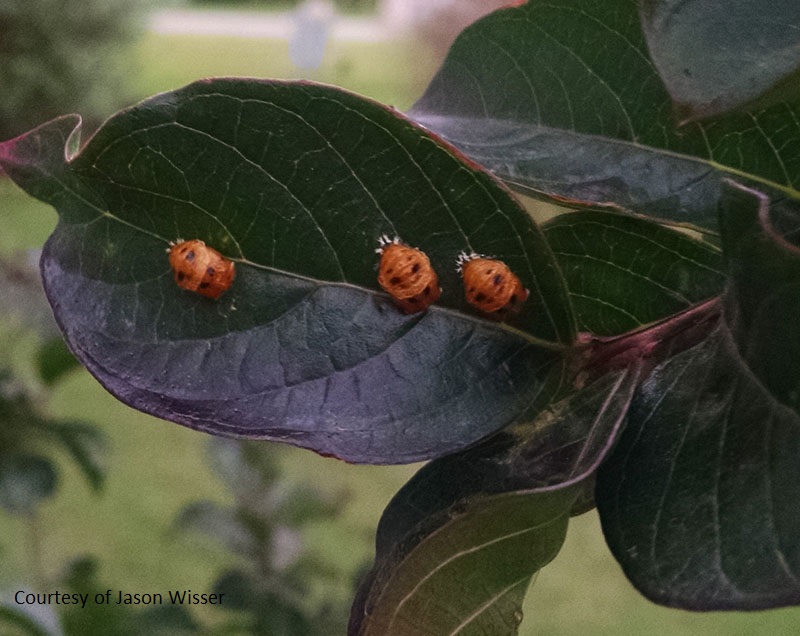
458 545
623 272
763 301
295 182
714 60
699 501
563 99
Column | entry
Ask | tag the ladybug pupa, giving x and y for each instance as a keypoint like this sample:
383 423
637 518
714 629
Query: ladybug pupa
490 286
200 268
406 274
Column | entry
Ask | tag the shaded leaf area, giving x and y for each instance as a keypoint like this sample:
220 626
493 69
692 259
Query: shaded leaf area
294 182
763 300
623 272
712 61
699 500
563 100
457 546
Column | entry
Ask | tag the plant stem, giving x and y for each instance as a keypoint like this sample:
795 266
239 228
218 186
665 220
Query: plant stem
596 355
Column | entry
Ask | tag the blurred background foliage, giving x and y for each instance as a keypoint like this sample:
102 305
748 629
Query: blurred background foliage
64 56
345 6
96 496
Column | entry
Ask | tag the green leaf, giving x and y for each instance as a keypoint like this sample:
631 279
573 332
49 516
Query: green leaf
88 447
54 360
763 299
474 574
563 100
25 481
221 524
713 60
624 272
295 183
458 545
699 500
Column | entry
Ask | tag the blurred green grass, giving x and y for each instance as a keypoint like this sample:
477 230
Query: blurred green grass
394 72
156 467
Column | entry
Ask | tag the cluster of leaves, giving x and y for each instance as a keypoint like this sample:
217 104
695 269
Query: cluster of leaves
271 588
651 372
269 593
29 435
32 441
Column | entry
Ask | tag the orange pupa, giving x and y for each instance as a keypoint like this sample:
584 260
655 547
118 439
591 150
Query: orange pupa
406 274
200 268
489 285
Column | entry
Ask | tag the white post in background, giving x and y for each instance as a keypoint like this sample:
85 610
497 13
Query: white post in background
312 27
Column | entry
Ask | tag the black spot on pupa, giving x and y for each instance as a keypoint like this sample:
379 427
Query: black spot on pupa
415 268
190 255
203 285
181 276
395 280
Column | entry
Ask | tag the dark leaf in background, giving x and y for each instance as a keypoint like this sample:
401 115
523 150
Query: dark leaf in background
458 545
763 300
714 61
25 481
699 500
88 447
54 360
563 100
294 182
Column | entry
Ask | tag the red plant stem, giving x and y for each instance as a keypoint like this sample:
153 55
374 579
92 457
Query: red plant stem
597 355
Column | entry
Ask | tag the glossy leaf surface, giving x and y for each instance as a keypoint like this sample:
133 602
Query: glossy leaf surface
295 183
458 545
699 500
623 272
564 100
